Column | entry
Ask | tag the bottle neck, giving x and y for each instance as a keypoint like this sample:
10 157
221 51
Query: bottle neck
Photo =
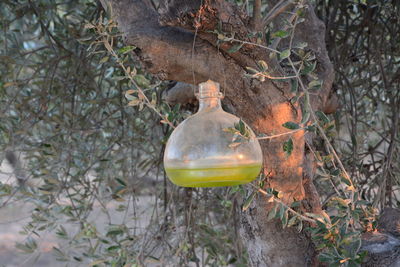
209 95
209 103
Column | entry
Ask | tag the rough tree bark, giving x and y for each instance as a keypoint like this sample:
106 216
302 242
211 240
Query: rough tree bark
175 42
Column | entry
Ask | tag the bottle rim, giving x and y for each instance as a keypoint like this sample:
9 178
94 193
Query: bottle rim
209 89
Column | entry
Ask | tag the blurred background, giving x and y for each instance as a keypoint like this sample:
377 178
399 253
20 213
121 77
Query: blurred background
81 176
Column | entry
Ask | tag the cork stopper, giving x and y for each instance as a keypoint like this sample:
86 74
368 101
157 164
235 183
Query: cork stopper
209 89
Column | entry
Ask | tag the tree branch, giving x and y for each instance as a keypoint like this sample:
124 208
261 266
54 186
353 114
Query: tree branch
278 9
180 93
256 19
207 16
310 32
166 51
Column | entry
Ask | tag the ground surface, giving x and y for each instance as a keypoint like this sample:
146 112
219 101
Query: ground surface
15 215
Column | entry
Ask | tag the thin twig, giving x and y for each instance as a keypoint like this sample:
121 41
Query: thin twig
147 102
250 43
277 200
278 9
279 135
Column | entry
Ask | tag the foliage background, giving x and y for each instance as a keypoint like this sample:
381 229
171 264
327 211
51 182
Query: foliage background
83 149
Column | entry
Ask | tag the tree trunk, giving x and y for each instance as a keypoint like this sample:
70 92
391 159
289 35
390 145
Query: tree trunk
176 42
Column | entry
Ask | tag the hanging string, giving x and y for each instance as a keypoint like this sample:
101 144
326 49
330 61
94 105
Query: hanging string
197 25
192 59
193 45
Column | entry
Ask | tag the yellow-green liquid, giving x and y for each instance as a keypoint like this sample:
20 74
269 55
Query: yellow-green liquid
211 177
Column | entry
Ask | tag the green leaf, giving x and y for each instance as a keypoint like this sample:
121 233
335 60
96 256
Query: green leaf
353 139
318 217
77 258
28 247
315 84
104 59
288 147
322 117
285 218
272 213
114 232
231 130
295 204
292 221
62 233
235 48
294 99
305 109
291 125
294 85
326 257
282 210
251 70
310 128
280 34
242 127
248 201
343 202
263 65
284 54
113 248
142 81
153 99
59 254
300 226
335 172
120 181
134 102
301 45
308 68
126 49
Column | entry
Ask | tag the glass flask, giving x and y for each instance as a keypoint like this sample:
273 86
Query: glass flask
199 151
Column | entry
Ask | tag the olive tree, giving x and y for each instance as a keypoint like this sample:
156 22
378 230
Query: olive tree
192 41
66 75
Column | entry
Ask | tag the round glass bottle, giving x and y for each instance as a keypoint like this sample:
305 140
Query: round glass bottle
199 151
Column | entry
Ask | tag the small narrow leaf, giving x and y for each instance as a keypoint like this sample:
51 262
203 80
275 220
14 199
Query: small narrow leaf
263 65
308 68
121 181
248 201
235 48
282 210
104 59
134 102
310 128
89 26
126 49
285 218
294 85
292 221
251 70
315 84
272 213
301 45
300 226
142 81
280 34
284 54
305 109
291 125
153 99
322 117
288 147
